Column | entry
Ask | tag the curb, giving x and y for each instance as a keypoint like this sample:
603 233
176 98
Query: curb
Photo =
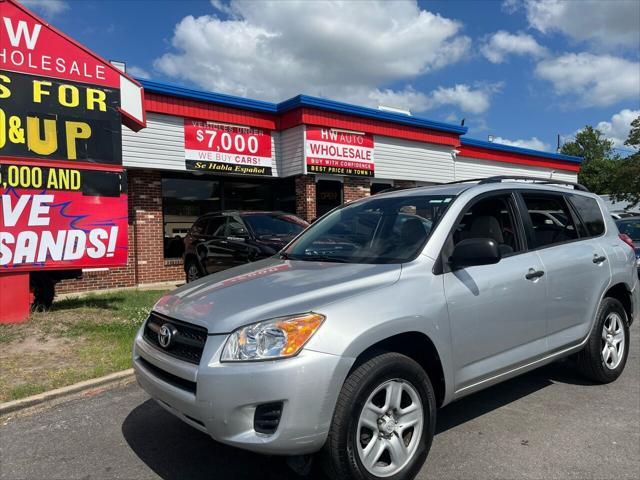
87 388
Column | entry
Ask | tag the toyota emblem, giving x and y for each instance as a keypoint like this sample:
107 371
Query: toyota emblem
166 334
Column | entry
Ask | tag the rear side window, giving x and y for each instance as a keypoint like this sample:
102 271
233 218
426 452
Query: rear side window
551 219
216 226
590 214
199 227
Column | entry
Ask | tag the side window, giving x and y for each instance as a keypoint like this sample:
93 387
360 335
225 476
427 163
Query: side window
550 219
491 218
235 228
590 214
216 226
199 227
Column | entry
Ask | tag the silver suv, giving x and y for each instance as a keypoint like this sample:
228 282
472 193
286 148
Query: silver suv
387 308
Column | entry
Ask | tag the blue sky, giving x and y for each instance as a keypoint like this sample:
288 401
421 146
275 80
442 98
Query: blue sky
520 70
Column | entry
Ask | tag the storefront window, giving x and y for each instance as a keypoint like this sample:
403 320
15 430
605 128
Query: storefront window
187 197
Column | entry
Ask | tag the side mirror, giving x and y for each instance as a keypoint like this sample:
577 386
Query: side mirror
475 251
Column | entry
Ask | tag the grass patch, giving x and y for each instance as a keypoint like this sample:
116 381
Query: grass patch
80 338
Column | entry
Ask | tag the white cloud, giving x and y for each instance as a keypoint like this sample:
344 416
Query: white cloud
48 8
617 129
533 143
602 23
596 80
342 49
510 6
138 72
475 100
501 44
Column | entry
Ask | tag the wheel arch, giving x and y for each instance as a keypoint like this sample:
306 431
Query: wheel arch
622 293
417 346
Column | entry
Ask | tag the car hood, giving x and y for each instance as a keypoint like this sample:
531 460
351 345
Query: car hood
270 288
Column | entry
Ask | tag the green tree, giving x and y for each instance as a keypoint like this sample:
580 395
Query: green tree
626 185
600 160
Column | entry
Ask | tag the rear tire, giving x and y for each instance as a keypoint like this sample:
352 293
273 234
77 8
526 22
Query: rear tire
384 421
605 355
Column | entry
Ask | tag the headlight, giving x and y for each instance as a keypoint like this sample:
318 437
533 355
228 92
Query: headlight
271 339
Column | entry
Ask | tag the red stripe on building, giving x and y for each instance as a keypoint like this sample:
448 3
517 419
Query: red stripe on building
206 111
508 157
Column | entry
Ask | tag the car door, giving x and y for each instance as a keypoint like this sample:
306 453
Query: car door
216 252
237 237
575 265
496 312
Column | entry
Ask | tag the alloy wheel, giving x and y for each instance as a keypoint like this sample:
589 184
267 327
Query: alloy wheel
192 273
613 341
389 428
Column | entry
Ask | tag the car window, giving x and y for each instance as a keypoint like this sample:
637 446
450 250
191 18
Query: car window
630 228
491 218
269 226
235 228
378 230
216 226
551 219
199 227
590 214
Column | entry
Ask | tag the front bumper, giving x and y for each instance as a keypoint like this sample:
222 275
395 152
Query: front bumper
224 396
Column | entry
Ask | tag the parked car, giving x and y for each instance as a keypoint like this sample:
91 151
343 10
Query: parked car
630 226
385 309
221 240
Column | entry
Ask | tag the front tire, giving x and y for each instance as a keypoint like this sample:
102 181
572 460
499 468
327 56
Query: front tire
605 355
192 270
384 421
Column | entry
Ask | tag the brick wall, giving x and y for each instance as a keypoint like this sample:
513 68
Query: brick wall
146 263
306 197
355 188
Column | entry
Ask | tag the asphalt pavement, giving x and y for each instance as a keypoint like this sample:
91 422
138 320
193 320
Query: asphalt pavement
547 424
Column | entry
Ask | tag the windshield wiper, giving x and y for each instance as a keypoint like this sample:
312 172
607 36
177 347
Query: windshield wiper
322 258
313 258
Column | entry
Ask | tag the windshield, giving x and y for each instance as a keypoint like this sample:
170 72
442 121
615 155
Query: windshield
275 225
631 228
378 230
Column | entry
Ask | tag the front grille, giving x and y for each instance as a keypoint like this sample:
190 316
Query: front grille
188 340
267 418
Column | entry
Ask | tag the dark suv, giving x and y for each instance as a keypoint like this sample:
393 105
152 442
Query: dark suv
221 240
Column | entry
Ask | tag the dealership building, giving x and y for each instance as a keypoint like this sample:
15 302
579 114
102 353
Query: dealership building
203 152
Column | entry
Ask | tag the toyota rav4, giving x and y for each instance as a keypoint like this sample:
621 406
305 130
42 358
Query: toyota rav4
348 341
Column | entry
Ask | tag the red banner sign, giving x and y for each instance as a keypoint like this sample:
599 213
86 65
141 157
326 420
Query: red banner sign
216 147
339 152
28 46
74 219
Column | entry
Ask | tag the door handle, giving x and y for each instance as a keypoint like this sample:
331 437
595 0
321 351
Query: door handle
598 259
534 274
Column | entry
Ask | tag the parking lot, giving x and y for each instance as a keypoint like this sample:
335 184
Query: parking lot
545 424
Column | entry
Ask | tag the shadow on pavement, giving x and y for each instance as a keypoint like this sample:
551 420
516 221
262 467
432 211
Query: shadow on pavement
174 450
485 401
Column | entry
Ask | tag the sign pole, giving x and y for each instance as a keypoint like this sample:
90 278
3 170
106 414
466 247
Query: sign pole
14 297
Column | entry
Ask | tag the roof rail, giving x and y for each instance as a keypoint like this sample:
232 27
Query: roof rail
501 178
546 181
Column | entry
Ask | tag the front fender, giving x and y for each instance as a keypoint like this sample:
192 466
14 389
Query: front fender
415 303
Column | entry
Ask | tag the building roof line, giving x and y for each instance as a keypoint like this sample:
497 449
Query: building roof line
472 142
299 101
